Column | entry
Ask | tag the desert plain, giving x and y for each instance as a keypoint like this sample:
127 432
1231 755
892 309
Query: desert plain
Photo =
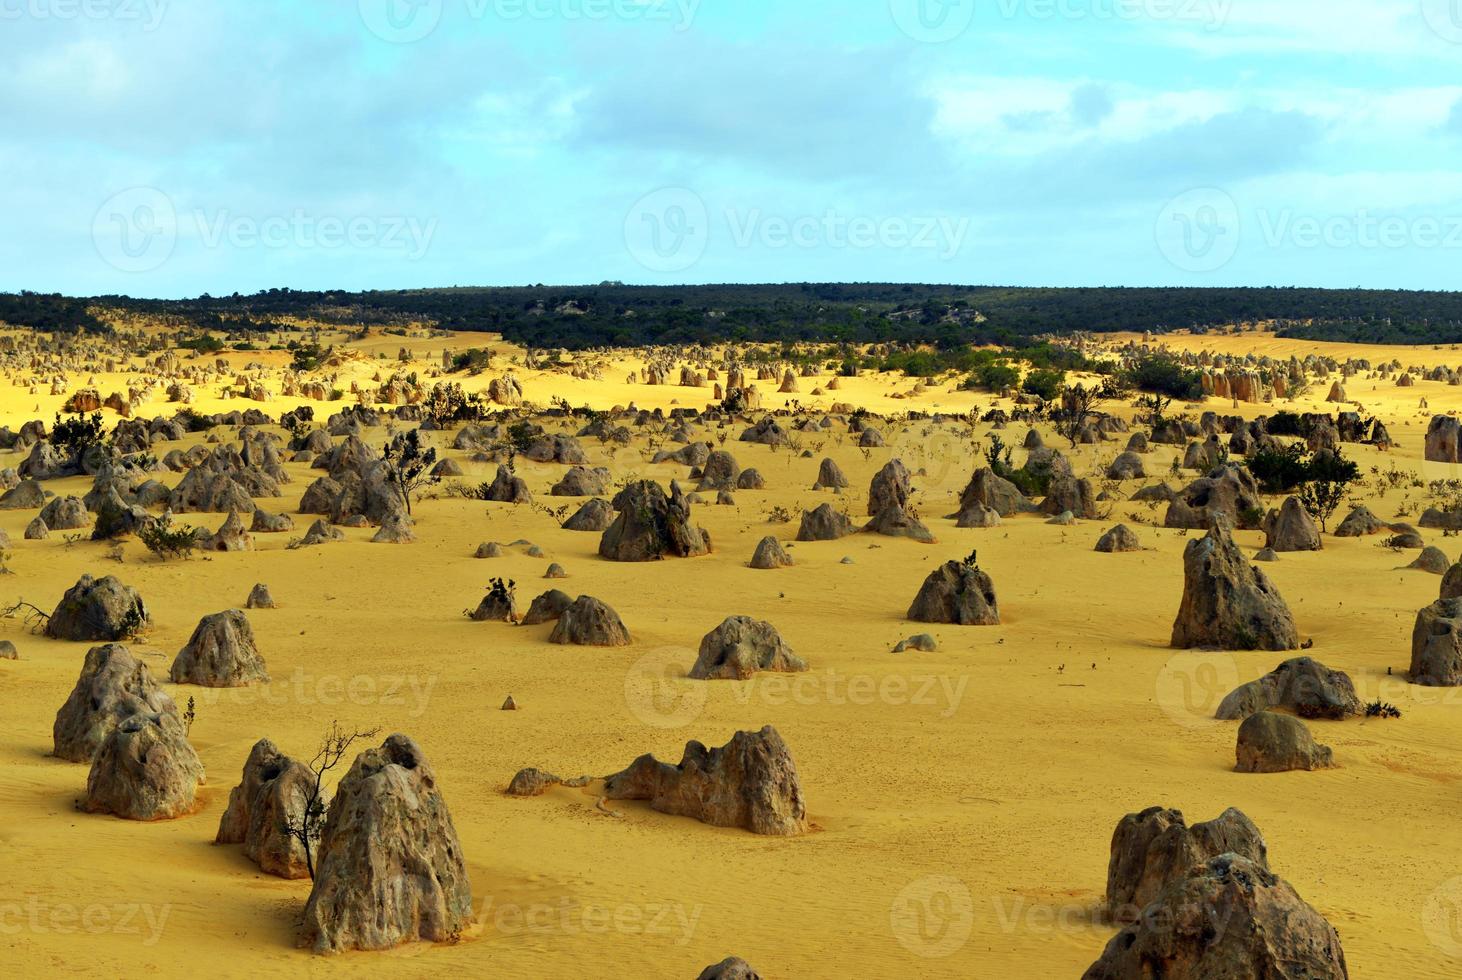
960 802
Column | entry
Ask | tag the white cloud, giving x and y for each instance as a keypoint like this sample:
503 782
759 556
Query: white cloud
1023 117
1362 27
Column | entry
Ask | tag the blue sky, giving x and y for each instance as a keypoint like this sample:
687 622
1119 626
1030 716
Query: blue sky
169 148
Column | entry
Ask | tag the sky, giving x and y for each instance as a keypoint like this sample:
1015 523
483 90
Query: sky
166 148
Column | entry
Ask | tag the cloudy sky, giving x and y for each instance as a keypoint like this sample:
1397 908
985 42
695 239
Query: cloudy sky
171 148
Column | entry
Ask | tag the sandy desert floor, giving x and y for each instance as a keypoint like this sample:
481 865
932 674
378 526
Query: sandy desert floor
964 800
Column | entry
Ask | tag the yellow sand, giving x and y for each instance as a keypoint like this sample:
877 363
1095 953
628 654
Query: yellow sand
964 799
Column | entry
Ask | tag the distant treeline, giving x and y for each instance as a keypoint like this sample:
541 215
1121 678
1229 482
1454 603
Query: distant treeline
613 314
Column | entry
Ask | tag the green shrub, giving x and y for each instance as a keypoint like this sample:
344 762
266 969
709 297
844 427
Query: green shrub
166 541
994 377
474 360
74 436
1046 384
1279 470
1162 374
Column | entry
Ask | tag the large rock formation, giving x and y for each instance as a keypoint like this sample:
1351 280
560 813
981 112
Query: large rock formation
770 554
581 481
767 432
1230 919
1228 493
547 608
1119 539
1127 466
99 610
888 503
65 514
989 491
116 517
1443 436
652 526
899 522
112 687
823 523
509 488
740 647
590 623
595 515
1069 494
389 869
144 770
1436 645
830 477
1229 604
890 487
1271 742
231 536
1302 685
1358 523
750 782
1155 848
272 796
1291 528
719 472
221 653
957 593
